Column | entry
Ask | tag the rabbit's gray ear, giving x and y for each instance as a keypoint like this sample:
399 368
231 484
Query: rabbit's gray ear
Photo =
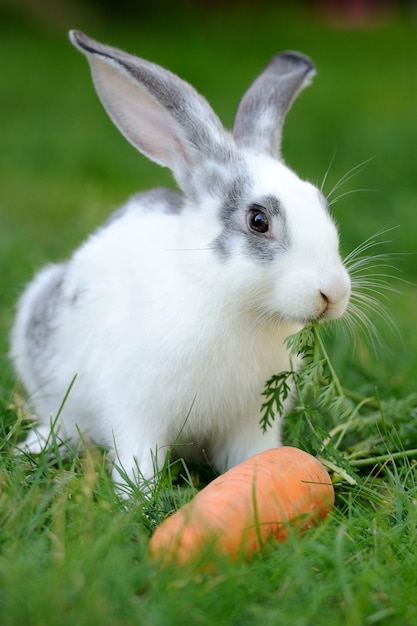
160 114
261 113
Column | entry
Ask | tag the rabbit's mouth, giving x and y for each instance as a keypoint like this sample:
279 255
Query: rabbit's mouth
325 312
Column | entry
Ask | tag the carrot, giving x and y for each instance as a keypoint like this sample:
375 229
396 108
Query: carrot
262 497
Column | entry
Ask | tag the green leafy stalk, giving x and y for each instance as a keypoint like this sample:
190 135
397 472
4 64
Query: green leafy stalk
344 429
277 390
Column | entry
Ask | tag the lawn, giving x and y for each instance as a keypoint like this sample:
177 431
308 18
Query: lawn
70 551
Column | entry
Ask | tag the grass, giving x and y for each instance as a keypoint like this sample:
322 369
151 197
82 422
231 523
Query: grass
70 551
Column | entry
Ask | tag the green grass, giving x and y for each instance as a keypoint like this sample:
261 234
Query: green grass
70 551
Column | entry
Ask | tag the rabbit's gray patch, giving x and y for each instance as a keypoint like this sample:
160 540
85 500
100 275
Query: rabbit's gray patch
265 249
41 323
261 249
272 205
236 196
159 200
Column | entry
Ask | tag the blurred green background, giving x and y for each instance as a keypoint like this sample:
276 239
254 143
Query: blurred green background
64 167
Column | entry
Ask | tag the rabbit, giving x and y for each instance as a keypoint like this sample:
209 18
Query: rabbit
171 317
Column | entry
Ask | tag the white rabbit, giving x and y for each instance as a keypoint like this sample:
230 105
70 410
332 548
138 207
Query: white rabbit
175 312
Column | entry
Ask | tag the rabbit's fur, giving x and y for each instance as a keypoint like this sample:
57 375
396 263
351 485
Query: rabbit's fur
175 312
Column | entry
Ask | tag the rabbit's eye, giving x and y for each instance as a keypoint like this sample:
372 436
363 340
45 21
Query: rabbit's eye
257 221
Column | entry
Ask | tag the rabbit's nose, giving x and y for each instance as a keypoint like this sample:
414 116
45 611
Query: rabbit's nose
335 296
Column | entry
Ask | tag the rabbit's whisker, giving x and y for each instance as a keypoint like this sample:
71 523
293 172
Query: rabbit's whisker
346 177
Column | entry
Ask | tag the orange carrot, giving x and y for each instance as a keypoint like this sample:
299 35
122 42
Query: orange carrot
264 496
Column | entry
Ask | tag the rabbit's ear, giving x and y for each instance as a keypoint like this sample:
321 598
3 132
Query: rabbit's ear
160 114
261 113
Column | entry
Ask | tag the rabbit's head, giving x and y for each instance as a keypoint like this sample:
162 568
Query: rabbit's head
269 233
